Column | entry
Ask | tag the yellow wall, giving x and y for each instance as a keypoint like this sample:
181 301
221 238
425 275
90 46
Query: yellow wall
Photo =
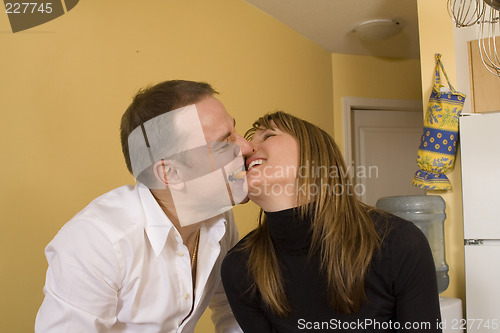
372 77
65 84
436 36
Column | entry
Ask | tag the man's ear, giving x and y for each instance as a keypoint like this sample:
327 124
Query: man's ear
168 173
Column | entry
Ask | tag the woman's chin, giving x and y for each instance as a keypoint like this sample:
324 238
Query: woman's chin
256 197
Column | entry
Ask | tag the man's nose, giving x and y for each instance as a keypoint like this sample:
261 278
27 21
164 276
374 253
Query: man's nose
245 146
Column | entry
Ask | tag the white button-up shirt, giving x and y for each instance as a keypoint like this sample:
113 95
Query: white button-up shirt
120 265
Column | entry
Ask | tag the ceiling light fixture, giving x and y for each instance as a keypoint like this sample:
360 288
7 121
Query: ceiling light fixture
377 30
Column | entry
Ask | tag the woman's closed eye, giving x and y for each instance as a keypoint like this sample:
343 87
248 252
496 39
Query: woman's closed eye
268 135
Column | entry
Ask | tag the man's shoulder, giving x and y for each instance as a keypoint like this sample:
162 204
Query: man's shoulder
115 212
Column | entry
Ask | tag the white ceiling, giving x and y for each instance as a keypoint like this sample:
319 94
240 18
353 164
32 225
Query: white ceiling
330 24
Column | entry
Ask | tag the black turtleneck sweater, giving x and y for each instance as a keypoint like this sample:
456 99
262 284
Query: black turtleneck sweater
400 286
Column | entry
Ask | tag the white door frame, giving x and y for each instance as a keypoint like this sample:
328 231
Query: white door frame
358 103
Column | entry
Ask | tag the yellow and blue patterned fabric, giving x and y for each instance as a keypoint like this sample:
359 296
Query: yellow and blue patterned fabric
436 153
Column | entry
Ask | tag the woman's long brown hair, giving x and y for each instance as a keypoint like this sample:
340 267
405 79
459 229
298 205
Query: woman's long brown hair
342 232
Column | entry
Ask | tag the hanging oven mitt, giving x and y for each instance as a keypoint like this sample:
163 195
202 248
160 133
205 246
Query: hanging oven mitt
436 153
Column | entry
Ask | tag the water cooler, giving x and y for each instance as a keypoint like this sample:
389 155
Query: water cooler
428 213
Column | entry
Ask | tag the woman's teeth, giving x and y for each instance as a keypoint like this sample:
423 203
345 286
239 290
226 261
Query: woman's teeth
240 173
256 162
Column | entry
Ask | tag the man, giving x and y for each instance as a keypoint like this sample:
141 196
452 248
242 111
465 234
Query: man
146 258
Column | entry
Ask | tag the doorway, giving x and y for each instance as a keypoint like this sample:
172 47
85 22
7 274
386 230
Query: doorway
381 138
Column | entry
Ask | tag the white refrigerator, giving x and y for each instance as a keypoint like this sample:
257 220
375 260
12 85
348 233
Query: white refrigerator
480 155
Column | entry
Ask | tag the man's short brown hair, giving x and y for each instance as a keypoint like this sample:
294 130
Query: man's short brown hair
155 100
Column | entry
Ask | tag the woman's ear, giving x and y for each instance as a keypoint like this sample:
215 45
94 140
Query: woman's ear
168 173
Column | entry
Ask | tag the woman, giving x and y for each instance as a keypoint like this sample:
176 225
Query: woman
320 259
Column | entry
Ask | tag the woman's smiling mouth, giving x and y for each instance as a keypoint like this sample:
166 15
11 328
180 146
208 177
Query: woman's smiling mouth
253 162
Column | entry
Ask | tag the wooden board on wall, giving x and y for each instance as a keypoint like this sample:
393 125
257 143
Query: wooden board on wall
485 87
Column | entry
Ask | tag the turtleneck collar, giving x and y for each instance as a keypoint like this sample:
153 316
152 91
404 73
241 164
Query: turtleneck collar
290 232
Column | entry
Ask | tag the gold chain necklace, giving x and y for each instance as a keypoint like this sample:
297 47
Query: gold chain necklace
195 253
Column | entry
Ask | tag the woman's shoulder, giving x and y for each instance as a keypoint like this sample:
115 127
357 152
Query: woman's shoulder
234 268
239 254
396 231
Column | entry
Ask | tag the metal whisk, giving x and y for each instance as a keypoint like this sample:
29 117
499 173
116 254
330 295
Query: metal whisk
466 13
487 38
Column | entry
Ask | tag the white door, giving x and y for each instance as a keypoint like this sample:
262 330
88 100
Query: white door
482 274
480 155
385 145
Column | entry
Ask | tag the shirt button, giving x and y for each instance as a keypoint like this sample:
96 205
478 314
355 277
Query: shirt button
187 296
180 254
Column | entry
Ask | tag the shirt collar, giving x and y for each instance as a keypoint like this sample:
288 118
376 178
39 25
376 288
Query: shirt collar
216 228
158 225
